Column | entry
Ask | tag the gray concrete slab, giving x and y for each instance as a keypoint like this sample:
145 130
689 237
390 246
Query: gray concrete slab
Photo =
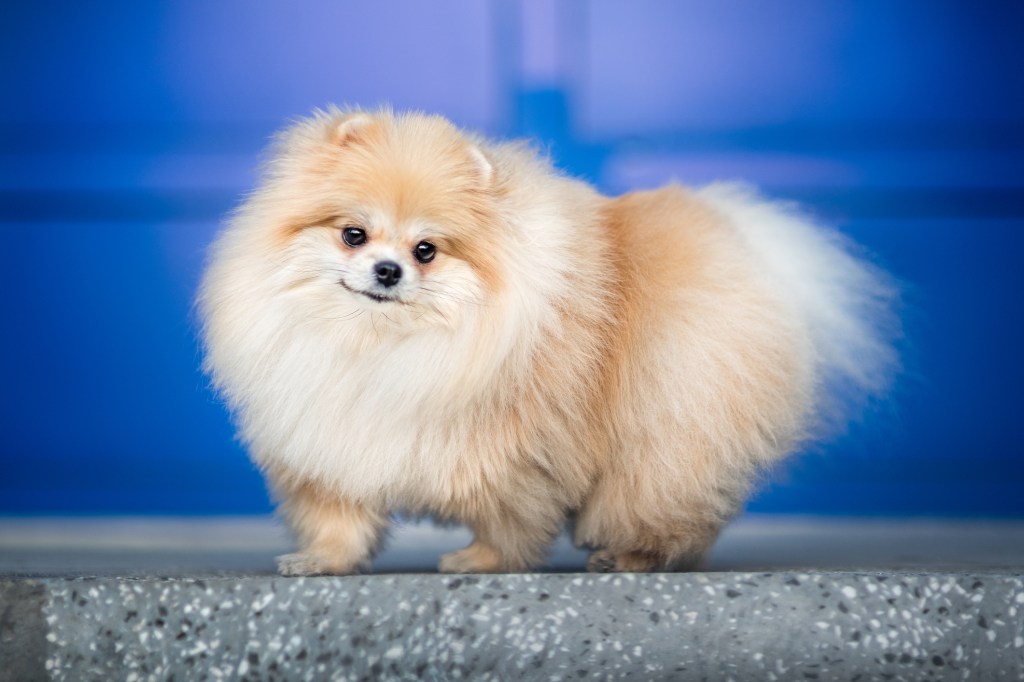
698 626
780 599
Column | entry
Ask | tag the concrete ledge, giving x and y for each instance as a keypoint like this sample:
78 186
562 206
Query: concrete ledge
22 630
783 599
740 626
199 546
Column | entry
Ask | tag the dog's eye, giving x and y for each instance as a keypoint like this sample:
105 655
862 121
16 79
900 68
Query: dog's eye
425 252
353 236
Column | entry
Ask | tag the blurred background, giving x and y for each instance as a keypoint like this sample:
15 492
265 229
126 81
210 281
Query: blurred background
129 129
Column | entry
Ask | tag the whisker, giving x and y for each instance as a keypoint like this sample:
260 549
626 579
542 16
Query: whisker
449 296
343 318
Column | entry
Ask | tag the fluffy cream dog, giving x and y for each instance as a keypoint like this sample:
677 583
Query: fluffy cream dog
407 318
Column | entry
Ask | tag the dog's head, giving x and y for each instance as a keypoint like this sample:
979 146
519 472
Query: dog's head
381 213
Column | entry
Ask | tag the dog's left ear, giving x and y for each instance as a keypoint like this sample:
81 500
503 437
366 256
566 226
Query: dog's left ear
483 165
349 128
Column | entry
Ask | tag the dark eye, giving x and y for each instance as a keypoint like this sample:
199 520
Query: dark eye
354 236
425 252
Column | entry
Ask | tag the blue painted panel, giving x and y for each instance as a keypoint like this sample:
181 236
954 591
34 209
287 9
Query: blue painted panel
237 61
949 439
719 65
127 130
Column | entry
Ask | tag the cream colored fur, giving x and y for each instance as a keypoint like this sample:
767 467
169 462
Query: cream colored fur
632 362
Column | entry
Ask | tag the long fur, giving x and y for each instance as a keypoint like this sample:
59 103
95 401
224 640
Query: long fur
628 362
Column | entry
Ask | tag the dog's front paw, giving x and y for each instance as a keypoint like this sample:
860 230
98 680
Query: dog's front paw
300 563
604 561
477 558
601 561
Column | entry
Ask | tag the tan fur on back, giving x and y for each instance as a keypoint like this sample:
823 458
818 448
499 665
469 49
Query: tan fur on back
633 362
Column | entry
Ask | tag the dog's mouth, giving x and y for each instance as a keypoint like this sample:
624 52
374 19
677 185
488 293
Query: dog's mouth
373 296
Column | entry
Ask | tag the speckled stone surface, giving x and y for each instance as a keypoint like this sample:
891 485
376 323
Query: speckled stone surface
714 626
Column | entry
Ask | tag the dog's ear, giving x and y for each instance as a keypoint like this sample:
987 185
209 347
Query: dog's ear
350 127
483 165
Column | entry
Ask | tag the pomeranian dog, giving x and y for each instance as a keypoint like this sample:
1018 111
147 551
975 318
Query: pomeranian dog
404 317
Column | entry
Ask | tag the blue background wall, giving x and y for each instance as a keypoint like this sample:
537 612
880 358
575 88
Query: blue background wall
128 129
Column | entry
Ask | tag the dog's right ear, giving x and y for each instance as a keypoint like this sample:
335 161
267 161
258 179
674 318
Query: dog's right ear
483 165
349 129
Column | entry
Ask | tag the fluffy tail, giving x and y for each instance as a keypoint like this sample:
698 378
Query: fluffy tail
847 304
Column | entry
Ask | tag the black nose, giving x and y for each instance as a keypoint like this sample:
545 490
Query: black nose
388 272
